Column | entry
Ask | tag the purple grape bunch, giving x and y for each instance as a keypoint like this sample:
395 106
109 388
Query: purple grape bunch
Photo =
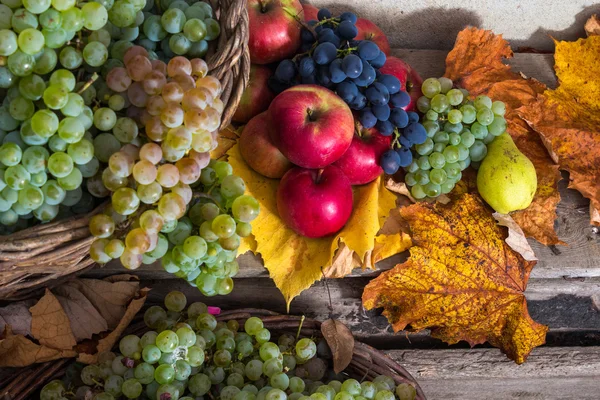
330 56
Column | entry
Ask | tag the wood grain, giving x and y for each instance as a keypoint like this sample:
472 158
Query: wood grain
475 374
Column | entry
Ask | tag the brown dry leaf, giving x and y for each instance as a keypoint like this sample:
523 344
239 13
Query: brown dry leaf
340 341
226 139
592 26
568 118
50 325
20 351
17 315
107 343
594 215
476 64
516 238
84 319
109 298
70 321
462 280
343 262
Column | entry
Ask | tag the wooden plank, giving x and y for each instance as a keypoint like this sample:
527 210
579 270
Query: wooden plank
549 373
571 309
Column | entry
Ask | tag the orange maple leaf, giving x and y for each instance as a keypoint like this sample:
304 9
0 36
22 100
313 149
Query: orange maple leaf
462 280
568 118
476 64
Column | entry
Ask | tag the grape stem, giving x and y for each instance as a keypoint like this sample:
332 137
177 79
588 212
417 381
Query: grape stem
89 83
333 20
301 22
3 61
300 327
396 141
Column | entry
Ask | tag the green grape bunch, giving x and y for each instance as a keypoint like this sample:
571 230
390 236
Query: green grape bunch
187 354
181 207
459 129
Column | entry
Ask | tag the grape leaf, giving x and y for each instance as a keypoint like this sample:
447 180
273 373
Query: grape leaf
476 64
295 262
69 320
462 280
568 117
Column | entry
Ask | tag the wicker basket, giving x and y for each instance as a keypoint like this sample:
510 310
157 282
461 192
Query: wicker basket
367 362
46 255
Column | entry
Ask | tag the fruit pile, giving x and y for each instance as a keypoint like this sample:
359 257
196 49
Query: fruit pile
329 117
459 129
203 357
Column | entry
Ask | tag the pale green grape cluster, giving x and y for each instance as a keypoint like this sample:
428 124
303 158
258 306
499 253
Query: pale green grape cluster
46 153
459 129
189 354
152 178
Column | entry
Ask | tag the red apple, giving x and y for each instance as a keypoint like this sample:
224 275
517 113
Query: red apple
274 30
315 203
367 30
312 126
257 96
259 152
360 163
410 79
310 12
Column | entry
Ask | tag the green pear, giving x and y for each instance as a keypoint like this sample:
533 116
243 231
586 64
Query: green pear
506 179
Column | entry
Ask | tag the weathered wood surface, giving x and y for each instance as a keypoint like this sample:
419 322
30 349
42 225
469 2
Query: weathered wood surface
478 374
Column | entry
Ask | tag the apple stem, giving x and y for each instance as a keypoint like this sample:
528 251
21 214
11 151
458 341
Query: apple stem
262 6
319 175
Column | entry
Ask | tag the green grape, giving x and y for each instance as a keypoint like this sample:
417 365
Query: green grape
21 64
469 114
437 160
455 97
438 176
94 15
488 139
31 41
112 385
182 370
446 84
34 158
151 354
21 108
175 301
440 103
452 169
417 192
31 197
56 96
198 49
122 14
413 167
485 116
167 341
56 144
454 138
463 152
206 321
479 131
441 137
54 194
72 181
478 151
194 29
244 208
54 39
131 388
32 87
199 384
95 54
306 348
129 346
431 115
368 389
422 177
253 325
116 102
431 87
497 127
144 373
173 20
195 247
432 127
16 177
482 102
39 179
424 148
455 116
409 179
223 226
70 57
498 108
45 61
71 130
296 385
53 390
23 19
254 370
50 19
10 154
280 381
222 358
8 42
464 164
179 44
405 391
451 154
423 163
467 138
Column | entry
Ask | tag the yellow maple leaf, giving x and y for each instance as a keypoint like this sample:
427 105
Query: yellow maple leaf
462 280
295 262
568 118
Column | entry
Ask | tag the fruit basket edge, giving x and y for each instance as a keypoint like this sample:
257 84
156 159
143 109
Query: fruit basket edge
367 362
46 255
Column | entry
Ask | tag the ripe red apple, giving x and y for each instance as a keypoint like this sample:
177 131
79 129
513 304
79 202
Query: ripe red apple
257 96
367 30
310 12
312 126
360 163
409 77
315 203
274 30
259 152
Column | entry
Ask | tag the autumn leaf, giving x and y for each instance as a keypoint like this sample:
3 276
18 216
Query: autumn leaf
77 317
340 341
462 280
476 64
592 26
295 262
567 118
